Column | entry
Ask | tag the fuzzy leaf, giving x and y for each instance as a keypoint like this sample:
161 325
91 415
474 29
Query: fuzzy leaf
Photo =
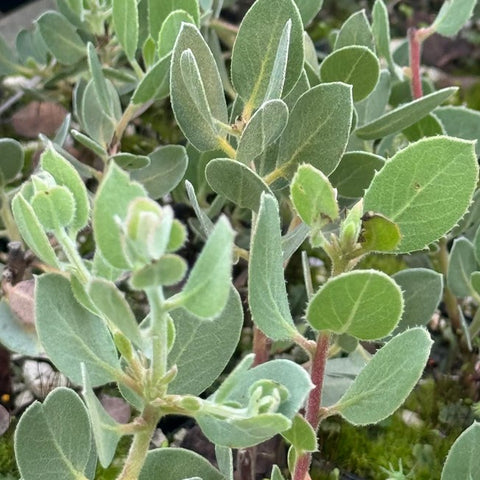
428 126
155 83
355 65
11 159
375 104
159 11
452 16
366 304
404 116
125 21
101 88
197 91
61 321
301 435
8 60
381 31
170 29
202 349
355 31
167 270
54 208
462 263
236 182
308 9
406 189
266 283
62 425
378 233
61 38
257 50
318 129
383 385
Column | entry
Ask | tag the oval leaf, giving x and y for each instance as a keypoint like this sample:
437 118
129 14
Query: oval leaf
387 379
125 20
366 304
452 17
462 263
406 189
11 159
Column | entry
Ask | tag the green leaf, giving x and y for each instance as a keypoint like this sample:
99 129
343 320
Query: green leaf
428 126
366 304
383 385
101 88
462 263
159 11
11 159
8 60
54 208
108 299
66 175
196 90
301 435
406 190
313 196
202 349
170 29
460 122
378 233
224 457
105 429
30 45
375 104
125 21
149 50
236 182
354 65
422 291
155 83
129 161
267 292
355 172
463 459
453 15
265 126
61 321
32 231
62 425
207 288
89 143
308 9
177 464
318 129
276 472
381 32
356 30
61 38
111 203
404 116
254 63
167 270
17 336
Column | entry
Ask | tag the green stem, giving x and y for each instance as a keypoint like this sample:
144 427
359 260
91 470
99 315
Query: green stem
279 172
159 319
227 148
123 122
140 445
8 220
70 248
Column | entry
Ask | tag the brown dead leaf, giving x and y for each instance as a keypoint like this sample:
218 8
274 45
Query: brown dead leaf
38 117
21 301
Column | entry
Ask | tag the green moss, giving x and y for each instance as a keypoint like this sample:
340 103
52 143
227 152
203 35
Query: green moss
8 467
112 471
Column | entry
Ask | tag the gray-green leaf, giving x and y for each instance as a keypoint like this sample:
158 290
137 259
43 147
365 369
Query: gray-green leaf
125 20
452 16
462 263
11 159
355 31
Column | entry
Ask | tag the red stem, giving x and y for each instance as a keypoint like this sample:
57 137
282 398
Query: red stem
261 347
415 49
317 374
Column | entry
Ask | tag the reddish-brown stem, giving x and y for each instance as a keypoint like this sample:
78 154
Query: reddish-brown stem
261 347
317 374
415 49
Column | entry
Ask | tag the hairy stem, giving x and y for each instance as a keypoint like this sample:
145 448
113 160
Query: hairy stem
317 373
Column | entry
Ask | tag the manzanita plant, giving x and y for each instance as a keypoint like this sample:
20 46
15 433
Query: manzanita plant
339 150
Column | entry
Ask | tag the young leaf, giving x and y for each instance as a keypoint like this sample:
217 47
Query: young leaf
422 291
196 90
318 129
267 294
265 126
167 270
404 116
378 233
406 190
104 427
125 21
54 208
462 263
207 288
62 424
366 304
355 31
170 29
355 172
61 38
354 65
383 385
177 464
62 321
236 182
313 196
155 83
159 11
254 63
106 297
11 159
32 231
301 435
66 175
452 16
202 349
129 161
463 459
111 203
